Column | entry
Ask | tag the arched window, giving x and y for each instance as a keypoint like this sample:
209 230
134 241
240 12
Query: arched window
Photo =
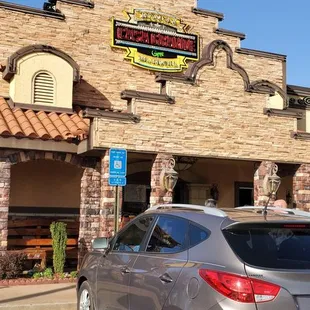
44 89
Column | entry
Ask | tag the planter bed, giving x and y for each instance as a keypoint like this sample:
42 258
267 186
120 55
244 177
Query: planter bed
31 281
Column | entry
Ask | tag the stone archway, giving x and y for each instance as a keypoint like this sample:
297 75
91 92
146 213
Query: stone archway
86 172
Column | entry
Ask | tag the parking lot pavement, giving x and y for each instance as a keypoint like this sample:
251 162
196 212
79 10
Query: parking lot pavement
38 297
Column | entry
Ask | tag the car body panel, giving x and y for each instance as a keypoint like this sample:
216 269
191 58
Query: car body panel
152 279
113 279
141 287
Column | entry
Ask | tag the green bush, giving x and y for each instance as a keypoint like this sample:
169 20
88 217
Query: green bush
48 273
73 274
12 264
37 275
59 239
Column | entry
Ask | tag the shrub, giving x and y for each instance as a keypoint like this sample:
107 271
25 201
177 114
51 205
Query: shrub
73 274
11 264
48 273
37 275
59 236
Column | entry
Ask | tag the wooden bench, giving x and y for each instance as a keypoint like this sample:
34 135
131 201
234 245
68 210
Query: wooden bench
32 236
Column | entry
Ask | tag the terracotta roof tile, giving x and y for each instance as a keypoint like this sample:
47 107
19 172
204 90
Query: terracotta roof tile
26 123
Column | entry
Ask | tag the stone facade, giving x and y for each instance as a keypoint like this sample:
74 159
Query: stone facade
301 187
261 170
107 199
219 114
5 167
89 207
158 195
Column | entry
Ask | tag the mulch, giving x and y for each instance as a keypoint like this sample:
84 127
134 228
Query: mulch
30 281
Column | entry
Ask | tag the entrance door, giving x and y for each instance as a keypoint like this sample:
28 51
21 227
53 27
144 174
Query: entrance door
244 194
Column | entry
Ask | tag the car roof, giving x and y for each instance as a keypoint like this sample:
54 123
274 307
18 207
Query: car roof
247 214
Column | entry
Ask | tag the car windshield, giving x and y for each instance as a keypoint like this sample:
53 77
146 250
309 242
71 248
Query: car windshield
278 246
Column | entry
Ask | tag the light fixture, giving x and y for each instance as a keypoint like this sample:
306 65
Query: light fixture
184 162
271 185
168 176
272 182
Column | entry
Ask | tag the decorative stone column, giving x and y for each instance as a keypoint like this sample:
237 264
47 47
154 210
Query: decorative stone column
301 187
107 202
158 195
5 180
89 208
261 169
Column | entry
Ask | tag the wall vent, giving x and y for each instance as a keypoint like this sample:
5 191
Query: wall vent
44 89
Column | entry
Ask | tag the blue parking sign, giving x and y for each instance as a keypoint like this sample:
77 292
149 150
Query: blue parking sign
118 163
117 181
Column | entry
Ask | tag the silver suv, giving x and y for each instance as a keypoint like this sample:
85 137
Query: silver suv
186 257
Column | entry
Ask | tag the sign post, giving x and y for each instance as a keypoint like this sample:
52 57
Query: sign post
117 178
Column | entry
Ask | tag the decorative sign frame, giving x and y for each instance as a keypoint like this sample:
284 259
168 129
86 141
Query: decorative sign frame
156 41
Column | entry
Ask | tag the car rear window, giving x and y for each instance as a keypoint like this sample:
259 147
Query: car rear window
278 246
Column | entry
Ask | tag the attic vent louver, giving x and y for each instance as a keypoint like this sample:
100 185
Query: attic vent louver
44 89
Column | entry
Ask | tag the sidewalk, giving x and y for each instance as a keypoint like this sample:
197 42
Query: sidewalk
38 297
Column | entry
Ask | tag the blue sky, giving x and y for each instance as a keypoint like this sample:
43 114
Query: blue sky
277 26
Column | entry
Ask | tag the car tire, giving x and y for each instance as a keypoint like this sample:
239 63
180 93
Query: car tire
85 297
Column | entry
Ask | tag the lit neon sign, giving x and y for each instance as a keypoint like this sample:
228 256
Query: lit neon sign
156 41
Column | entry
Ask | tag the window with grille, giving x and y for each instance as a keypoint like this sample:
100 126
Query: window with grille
43 89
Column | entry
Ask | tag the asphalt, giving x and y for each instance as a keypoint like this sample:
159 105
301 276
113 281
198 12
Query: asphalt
38 297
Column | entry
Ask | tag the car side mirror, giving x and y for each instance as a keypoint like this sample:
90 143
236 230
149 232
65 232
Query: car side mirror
101 244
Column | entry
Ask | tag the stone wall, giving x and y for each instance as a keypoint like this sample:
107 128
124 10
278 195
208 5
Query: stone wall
89 208
159 195
301 187
86 36
107 200
214 118
261 170
5 168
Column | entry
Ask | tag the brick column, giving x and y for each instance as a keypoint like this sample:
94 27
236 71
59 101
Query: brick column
261 169
5 180
158 195
89 208
301 187
107 202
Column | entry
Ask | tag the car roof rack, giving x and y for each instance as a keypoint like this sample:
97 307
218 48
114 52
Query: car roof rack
275 209
206 210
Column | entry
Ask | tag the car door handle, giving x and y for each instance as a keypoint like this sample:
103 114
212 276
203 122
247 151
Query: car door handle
165 278
125 270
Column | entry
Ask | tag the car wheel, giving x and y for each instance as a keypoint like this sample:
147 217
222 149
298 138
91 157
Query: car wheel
85 298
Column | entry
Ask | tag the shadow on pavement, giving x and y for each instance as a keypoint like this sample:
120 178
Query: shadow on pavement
37 294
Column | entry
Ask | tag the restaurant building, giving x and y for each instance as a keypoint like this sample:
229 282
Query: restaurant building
160 80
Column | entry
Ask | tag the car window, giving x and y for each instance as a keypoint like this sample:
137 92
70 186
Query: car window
283 246
131 238
169 235
197 234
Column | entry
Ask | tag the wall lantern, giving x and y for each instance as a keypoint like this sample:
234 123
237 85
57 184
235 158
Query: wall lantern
168 176
272 182
184 163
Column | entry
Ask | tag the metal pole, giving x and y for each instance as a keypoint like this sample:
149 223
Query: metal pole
116 209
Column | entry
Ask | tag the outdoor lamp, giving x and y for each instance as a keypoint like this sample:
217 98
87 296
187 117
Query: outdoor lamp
168 176
272 182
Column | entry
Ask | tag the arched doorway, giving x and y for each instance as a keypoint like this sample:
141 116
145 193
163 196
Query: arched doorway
43 191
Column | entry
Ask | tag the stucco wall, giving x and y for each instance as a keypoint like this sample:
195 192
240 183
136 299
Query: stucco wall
45 183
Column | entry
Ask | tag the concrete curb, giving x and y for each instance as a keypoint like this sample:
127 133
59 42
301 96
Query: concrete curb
43 306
